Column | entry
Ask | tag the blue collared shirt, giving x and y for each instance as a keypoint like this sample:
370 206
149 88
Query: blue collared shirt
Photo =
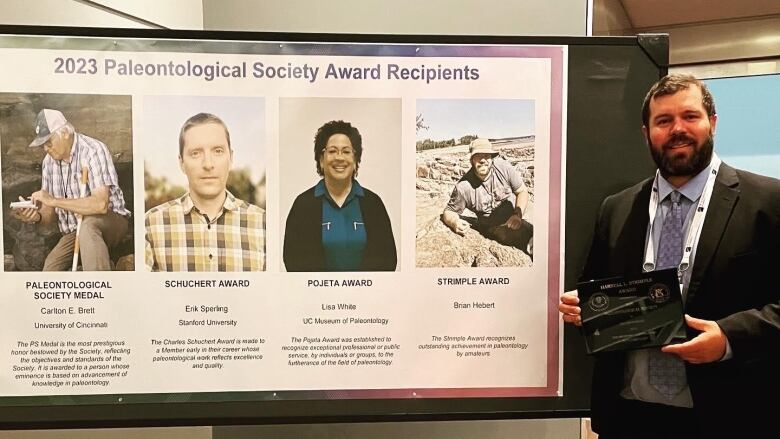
637 385
691 192
343 230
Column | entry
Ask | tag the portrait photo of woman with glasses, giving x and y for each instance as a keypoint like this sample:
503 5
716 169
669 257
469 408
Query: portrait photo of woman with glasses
338 225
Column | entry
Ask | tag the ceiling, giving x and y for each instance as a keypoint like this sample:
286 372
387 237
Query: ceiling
664 13
700 31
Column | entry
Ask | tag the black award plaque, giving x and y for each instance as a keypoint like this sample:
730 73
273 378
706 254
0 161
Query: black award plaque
633 312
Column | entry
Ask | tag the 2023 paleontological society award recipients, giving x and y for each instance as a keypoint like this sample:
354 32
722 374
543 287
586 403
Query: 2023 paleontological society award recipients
721 382
80 191
207 228
338 225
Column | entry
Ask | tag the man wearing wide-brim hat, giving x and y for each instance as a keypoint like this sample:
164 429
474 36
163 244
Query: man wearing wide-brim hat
100 202
496 193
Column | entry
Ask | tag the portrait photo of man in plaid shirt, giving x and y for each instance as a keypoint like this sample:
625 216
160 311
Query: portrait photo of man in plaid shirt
207 228
79 192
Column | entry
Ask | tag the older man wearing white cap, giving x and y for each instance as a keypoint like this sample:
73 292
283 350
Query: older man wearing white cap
100 202
496 193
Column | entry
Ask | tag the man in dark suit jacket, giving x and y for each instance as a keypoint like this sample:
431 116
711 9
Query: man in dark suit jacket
732 297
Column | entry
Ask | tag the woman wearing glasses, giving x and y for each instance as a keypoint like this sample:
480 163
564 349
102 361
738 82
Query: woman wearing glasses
338 225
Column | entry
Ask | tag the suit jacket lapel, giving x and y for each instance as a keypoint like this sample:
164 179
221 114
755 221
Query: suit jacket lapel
635 232
724 197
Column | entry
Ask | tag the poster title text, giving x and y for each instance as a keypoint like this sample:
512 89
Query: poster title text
307 72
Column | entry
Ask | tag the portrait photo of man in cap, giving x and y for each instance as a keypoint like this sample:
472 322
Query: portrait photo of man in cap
475 161
79 192
496 193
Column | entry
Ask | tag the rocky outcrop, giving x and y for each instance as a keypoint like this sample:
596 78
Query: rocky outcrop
437 246
125 263
450 164
30 245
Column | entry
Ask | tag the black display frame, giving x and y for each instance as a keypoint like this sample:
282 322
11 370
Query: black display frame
606 71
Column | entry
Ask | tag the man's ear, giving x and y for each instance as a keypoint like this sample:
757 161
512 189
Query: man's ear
713 123
181 164
645 132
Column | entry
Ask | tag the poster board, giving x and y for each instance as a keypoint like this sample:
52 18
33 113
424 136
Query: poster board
447 331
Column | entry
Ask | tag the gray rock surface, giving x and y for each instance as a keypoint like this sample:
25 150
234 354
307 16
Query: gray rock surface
125 263
436 245
8 263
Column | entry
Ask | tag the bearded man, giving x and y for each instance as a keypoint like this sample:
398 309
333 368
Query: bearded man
495 192
720 227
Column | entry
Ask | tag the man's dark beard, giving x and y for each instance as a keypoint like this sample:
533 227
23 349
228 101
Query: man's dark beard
670 167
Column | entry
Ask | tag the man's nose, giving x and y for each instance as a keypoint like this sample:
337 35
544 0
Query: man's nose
208 161
677 126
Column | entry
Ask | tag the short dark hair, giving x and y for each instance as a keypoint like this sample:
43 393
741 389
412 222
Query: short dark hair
337 127
671 84
201 119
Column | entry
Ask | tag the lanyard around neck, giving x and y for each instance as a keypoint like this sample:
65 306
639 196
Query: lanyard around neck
694 231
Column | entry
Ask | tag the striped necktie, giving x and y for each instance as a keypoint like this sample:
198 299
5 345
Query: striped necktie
666 372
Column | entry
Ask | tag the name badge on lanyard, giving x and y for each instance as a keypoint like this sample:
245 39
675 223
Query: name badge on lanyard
694 232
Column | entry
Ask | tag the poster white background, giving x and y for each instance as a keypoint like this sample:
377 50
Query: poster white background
406 309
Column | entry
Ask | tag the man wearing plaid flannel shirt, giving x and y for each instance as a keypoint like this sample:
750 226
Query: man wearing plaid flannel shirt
208 228
100 203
